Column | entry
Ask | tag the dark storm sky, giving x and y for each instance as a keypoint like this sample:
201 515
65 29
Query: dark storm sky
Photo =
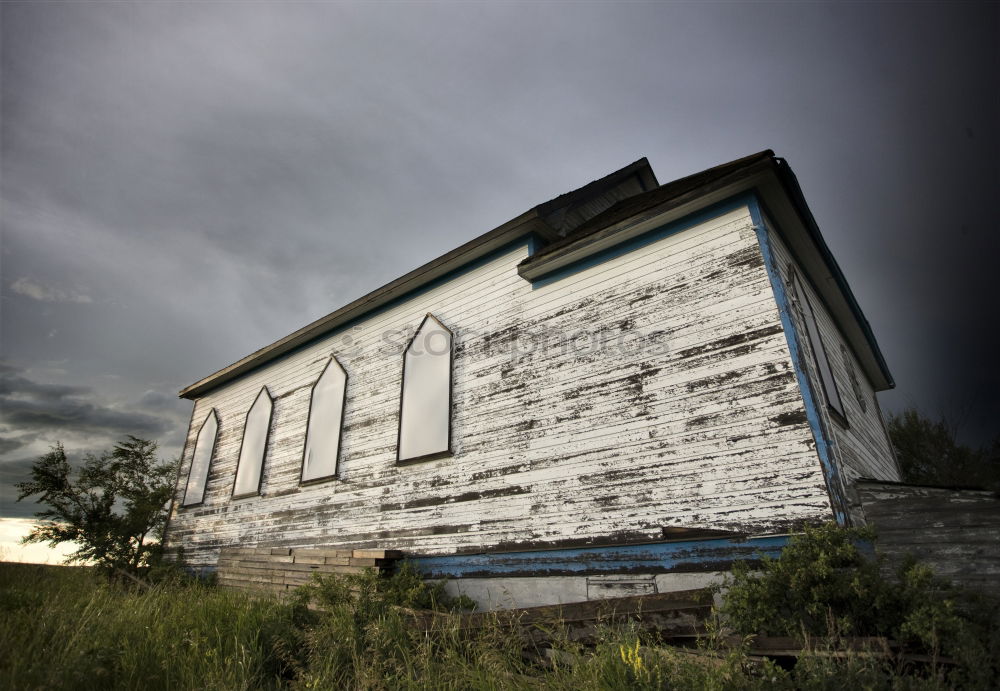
183 183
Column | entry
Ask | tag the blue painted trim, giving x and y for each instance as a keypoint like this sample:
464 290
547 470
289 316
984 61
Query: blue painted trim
647 238
535 242
684 556
824 445
750 200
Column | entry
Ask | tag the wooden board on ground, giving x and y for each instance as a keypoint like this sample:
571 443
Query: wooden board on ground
676 615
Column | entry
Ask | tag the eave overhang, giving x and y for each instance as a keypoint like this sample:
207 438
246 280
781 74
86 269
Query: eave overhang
775 185
763 174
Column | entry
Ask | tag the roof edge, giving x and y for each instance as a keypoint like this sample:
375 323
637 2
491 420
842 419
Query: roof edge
794 190
571 248
519 226
531 221
671 197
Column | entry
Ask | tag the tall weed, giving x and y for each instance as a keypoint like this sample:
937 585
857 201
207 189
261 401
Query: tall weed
67 629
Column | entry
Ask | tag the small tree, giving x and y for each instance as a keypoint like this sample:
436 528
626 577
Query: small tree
115 509
929 453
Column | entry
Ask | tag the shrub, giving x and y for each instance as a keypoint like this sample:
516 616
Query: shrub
823 584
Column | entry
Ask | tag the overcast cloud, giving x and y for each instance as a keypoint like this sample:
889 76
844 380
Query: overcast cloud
183 183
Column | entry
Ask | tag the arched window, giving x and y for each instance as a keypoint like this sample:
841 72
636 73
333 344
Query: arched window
249 469
194 493
425 407
326 417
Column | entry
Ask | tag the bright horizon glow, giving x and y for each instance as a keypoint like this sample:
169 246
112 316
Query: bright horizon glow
11 549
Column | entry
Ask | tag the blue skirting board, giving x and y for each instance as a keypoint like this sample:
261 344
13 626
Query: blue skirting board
661 557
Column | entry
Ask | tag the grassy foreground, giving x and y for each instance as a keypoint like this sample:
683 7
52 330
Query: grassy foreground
67 628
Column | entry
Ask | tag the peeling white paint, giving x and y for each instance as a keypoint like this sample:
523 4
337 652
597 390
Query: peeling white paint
688 415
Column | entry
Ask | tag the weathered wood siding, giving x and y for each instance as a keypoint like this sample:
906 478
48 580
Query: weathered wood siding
650 390
861 447
955 532
282 569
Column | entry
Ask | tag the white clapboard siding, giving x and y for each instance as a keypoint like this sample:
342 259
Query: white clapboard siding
695 421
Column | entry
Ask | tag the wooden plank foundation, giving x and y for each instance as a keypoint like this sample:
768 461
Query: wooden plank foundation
281 569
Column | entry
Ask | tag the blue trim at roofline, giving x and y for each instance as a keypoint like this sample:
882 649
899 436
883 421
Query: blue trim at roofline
716 554
791 182
824 445
730 204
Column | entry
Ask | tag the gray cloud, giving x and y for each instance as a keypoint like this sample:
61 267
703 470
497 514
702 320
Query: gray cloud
157 400
29 405
76 415
46 293
12 383
34 415
8 444
12 472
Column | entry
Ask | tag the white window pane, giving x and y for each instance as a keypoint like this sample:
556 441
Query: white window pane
326 416
251 463
425 413
203 448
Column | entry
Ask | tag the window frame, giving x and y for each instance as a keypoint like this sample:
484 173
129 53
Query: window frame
852 377
818 348
212 414
449 451
263 455
340 434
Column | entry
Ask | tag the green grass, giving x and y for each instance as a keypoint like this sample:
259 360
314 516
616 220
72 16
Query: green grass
66 628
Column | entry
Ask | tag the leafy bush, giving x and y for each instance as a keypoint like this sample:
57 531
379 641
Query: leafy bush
823 584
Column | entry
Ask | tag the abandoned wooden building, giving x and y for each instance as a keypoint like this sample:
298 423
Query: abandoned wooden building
621 390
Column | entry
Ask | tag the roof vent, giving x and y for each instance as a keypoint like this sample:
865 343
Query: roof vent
571 210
